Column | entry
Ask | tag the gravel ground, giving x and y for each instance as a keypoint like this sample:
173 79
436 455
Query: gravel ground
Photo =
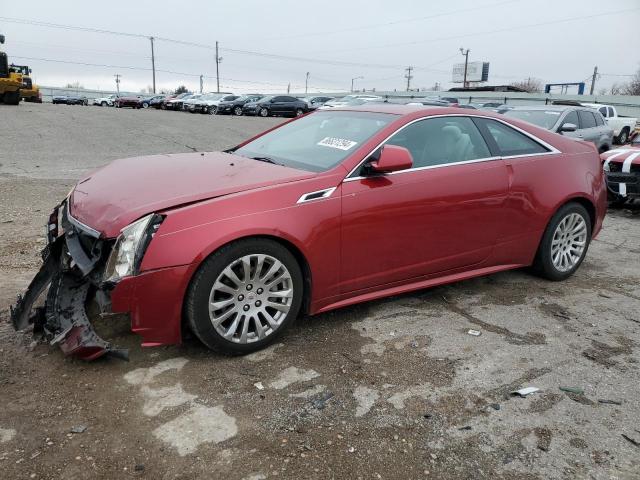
390 389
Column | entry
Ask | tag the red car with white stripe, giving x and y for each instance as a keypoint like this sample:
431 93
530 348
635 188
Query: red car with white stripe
622 172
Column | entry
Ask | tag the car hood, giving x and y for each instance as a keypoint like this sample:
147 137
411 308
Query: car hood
112 197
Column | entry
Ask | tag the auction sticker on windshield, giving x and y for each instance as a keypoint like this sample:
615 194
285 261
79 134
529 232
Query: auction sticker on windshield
339 143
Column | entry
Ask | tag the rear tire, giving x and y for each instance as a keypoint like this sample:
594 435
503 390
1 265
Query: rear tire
238 111
103 104
213 110
622 138
263 112
145 105
299 112
564 244
221 280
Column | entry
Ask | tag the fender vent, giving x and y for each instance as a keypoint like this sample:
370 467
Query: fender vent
307 197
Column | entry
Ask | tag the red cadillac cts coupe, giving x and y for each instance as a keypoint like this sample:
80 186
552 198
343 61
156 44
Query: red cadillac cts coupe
334 208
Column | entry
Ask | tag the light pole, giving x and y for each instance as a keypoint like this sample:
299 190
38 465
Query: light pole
354 79
466 62
306 83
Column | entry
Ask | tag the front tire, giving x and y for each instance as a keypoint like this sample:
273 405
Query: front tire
244 296
238 111
213 110
564 244
103 104
264 112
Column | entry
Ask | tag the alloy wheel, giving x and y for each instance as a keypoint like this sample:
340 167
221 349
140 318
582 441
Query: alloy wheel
569 241
251 298
238 111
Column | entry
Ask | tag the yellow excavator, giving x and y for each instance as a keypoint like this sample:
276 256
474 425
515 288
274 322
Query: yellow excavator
29 91
10 82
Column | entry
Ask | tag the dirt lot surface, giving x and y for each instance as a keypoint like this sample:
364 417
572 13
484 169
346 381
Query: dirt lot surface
392 389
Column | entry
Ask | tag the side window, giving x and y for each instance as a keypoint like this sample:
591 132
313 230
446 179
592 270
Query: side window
587 120
509 141
603 111
599 119
279 99
572 117
441 140
610 112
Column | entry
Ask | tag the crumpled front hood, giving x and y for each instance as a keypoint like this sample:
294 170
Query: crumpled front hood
112 197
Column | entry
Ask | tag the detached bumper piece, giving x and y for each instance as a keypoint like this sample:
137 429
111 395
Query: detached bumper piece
71 274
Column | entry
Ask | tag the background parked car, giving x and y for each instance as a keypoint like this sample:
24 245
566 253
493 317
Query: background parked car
175 103
315 102
77 100
277 105
209 103
128 101
105 101
350 100
158 101
622 126
581 123
190 103
235 106
59 99
146 101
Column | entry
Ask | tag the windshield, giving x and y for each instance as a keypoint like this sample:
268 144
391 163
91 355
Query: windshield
318 141
542 118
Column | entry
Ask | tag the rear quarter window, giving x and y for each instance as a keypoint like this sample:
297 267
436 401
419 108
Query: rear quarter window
587 119
507 140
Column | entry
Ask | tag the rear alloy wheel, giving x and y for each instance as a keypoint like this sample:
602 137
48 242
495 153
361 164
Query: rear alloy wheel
565 243
264 112
238 111
244 296
299 112
623 137
213 110
145 105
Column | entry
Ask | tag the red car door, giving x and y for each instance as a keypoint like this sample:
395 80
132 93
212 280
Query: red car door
442 214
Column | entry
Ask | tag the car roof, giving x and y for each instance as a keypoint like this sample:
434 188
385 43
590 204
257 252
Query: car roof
551 108
413 110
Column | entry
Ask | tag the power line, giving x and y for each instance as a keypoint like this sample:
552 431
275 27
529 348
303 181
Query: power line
394 22
486 32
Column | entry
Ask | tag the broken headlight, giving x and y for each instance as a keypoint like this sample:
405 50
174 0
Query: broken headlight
127 253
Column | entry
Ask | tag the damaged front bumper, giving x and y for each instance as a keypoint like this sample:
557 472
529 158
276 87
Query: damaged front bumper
72 270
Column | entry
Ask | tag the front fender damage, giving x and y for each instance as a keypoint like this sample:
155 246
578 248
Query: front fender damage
63 319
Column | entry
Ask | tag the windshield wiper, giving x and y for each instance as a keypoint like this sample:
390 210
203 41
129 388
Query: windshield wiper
266 160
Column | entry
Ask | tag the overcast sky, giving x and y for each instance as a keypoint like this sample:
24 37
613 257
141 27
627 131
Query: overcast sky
334 41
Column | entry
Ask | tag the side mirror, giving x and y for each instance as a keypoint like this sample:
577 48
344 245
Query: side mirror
392 159
568 127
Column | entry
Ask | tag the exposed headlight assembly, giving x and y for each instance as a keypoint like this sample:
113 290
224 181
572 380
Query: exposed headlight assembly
127 253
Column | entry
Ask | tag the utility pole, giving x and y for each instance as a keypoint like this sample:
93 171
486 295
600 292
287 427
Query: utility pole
408 76
593 79
218 60
117 75
288 87
354 79
466 62
153 65
306 83
200 83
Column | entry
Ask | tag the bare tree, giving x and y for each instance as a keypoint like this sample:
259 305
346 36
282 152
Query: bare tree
633 87
616 89
73 85
602 91
531 85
